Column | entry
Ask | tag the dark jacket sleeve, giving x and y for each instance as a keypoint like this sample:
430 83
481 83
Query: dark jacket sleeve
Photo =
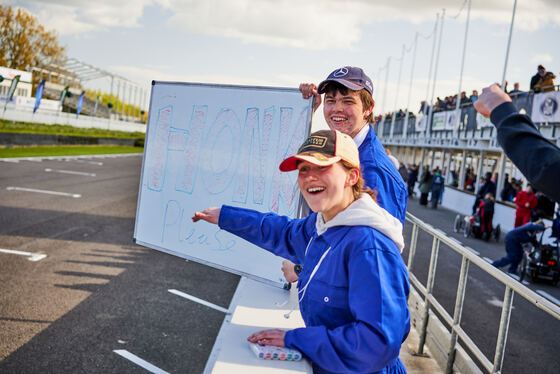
535 156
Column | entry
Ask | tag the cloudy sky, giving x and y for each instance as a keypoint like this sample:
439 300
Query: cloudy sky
285 42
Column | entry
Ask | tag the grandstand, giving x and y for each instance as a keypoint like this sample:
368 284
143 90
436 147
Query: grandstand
455 140
75 74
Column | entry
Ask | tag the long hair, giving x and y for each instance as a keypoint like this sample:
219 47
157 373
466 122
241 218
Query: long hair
359 187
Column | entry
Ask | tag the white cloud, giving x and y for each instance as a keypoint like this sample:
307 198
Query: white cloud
302 24
310 24
80 17
541 58
323 24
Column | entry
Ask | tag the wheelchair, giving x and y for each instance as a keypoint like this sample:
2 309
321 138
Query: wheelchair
540 262
471 226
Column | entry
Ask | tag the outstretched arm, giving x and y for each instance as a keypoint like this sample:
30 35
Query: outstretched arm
519 137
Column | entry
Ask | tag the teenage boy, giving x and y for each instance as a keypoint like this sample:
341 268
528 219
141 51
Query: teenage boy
348 108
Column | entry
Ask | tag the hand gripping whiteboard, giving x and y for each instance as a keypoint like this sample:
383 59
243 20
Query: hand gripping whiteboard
208 145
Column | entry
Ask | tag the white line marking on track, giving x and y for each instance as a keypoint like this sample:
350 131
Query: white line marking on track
549 297
74 195
514 276
85 161
525 283
140 362
489 260
48 170
32 256
9 160
200 301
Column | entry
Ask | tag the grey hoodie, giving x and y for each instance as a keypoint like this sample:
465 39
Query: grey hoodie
365 212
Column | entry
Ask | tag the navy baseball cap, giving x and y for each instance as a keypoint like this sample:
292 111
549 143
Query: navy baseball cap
349 76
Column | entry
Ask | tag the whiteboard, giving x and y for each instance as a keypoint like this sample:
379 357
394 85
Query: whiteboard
208 145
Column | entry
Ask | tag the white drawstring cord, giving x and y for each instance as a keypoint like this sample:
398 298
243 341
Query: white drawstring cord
304 289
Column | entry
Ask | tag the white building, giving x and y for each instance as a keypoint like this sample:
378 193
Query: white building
24 86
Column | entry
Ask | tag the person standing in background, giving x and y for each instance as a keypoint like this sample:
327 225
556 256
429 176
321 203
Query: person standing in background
403 172
543 81
425 185
437 187
486 187
412 178
526 201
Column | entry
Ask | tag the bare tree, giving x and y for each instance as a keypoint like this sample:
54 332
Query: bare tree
24 42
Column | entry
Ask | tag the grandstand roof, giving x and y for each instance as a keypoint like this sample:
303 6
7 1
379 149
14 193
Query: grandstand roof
81 71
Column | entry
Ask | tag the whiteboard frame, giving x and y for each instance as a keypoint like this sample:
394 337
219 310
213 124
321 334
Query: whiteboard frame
300 204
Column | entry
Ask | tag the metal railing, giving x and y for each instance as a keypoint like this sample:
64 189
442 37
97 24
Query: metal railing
468 127
468 257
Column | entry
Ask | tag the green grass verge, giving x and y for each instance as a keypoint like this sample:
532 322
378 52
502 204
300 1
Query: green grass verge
39 128
80 150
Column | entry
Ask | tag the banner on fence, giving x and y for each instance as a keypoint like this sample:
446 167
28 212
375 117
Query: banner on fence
482 121
451 119
545 107
12 89
28 103
438 121
420 125
39 95
80 103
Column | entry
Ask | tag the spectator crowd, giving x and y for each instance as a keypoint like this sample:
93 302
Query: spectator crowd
542 81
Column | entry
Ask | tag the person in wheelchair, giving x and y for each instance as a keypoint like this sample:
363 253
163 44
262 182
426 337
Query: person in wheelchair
485 212
514 241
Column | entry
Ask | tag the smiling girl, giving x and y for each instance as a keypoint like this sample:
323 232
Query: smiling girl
354 285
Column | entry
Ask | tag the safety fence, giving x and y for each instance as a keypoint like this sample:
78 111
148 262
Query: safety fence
453 323
54 117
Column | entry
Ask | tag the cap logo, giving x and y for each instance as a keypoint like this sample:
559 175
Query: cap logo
313 142
340 72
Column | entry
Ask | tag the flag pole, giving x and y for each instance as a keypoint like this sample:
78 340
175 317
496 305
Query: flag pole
508 44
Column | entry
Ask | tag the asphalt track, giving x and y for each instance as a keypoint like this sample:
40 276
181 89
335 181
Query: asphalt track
97 303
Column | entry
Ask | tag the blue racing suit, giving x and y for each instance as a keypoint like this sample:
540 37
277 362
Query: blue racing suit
353 289
380 174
